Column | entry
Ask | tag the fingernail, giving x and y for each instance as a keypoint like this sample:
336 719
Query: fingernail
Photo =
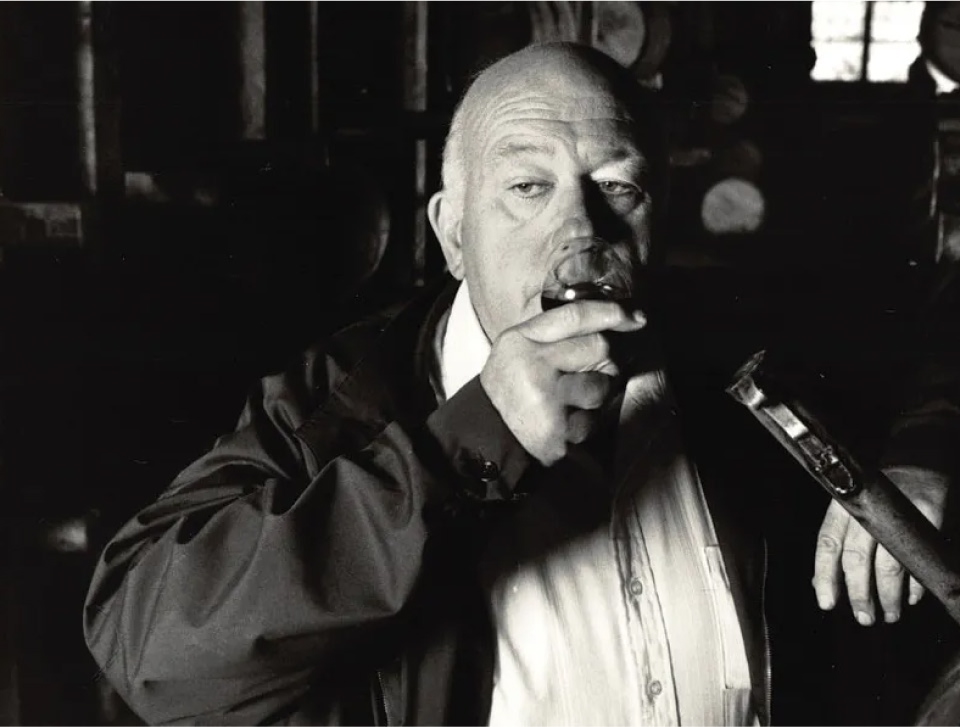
891 616
914 599
864 618
639 316
825 602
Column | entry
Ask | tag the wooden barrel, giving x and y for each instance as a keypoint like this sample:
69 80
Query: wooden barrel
635 34
557 20
729 99
733 206
733 202
619 30
656 42
741 158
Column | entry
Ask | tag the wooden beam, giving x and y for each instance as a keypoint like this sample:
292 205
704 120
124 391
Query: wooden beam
314 45
867 40
87 100
253 71
10 708
415 18
98 120
415 99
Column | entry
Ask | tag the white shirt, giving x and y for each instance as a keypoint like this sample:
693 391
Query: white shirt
610 599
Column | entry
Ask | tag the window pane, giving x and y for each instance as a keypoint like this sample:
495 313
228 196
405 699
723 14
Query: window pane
838 19
891 61
838 62
896 20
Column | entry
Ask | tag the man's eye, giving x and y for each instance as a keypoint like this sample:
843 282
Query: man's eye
528 190
613 188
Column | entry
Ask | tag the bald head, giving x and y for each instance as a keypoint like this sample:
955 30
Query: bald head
575 74
550 147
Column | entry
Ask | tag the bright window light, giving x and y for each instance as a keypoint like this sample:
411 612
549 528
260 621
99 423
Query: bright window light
838 20
873 41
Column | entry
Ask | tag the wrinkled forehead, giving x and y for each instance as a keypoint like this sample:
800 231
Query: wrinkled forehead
590 114
581 104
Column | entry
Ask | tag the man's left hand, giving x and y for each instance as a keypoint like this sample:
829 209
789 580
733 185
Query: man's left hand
843 546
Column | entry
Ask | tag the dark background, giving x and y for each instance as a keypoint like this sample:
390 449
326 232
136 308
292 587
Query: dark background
128 338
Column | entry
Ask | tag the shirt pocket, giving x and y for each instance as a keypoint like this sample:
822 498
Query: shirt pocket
738 708
736 670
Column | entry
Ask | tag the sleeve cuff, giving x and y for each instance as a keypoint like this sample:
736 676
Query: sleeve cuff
479 445
928 446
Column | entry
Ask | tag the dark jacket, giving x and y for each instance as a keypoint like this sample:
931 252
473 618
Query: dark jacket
319 564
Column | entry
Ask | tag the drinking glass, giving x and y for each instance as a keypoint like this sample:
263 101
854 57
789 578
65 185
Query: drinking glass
586 271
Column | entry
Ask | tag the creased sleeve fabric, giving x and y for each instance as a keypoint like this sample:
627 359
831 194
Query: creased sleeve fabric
282 558
926 426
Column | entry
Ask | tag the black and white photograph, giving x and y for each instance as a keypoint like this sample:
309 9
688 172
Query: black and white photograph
564 362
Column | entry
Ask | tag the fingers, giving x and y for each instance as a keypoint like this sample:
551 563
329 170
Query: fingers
915 593
826 564
927 489
844 546
866 565
583 394
583 353
582 319
584 390
528 362
580 424
890 575
857 560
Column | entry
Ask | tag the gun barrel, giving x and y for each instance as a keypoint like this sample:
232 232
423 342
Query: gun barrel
868 495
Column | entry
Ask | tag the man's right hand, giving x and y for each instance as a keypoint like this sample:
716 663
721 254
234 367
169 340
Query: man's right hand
550 374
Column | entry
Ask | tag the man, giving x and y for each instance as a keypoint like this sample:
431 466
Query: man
471 510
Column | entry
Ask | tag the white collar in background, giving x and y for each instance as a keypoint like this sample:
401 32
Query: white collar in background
465 345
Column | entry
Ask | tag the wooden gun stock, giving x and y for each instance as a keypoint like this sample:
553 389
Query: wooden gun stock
869 496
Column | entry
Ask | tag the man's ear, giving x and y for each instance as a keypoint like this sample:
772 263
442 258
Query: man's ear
445 221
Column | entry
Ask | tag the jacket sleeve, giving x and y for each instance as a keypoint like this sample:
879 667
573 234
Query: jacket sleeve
266 566
926 424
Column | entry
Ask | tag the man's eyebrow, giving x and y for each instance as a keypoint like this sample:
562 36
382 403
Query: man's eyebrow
625 152
507 149
632 158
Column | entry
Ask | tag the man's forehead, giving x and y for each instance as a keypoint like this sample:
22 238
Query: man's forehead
527 139
598 106
511 135
599 118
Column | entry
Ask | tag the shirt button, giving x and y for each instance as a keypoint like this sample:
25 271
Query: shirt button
636 586
481 469
656 688
488 471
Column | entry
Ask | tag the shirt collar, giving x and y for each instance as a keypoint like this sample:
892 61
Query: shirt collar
465 347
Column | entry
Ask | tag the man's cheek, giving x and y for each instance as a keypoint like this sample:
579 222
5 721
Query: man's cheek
641 228
514 212
642 244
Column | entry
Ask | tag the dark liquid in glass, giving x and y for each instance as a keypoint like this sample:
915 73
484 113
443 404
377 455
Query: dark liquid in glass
580 291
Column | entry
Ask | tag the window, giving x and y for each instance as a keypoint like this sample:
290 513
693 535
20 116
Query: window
865 41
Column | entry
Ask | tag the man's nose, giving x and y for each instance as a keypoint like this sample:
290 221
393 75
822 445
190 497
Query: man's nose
578 214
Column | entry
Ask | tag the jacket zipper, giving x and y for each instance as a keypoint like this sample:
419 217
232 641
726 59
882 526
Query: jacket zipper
383 699
767 655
